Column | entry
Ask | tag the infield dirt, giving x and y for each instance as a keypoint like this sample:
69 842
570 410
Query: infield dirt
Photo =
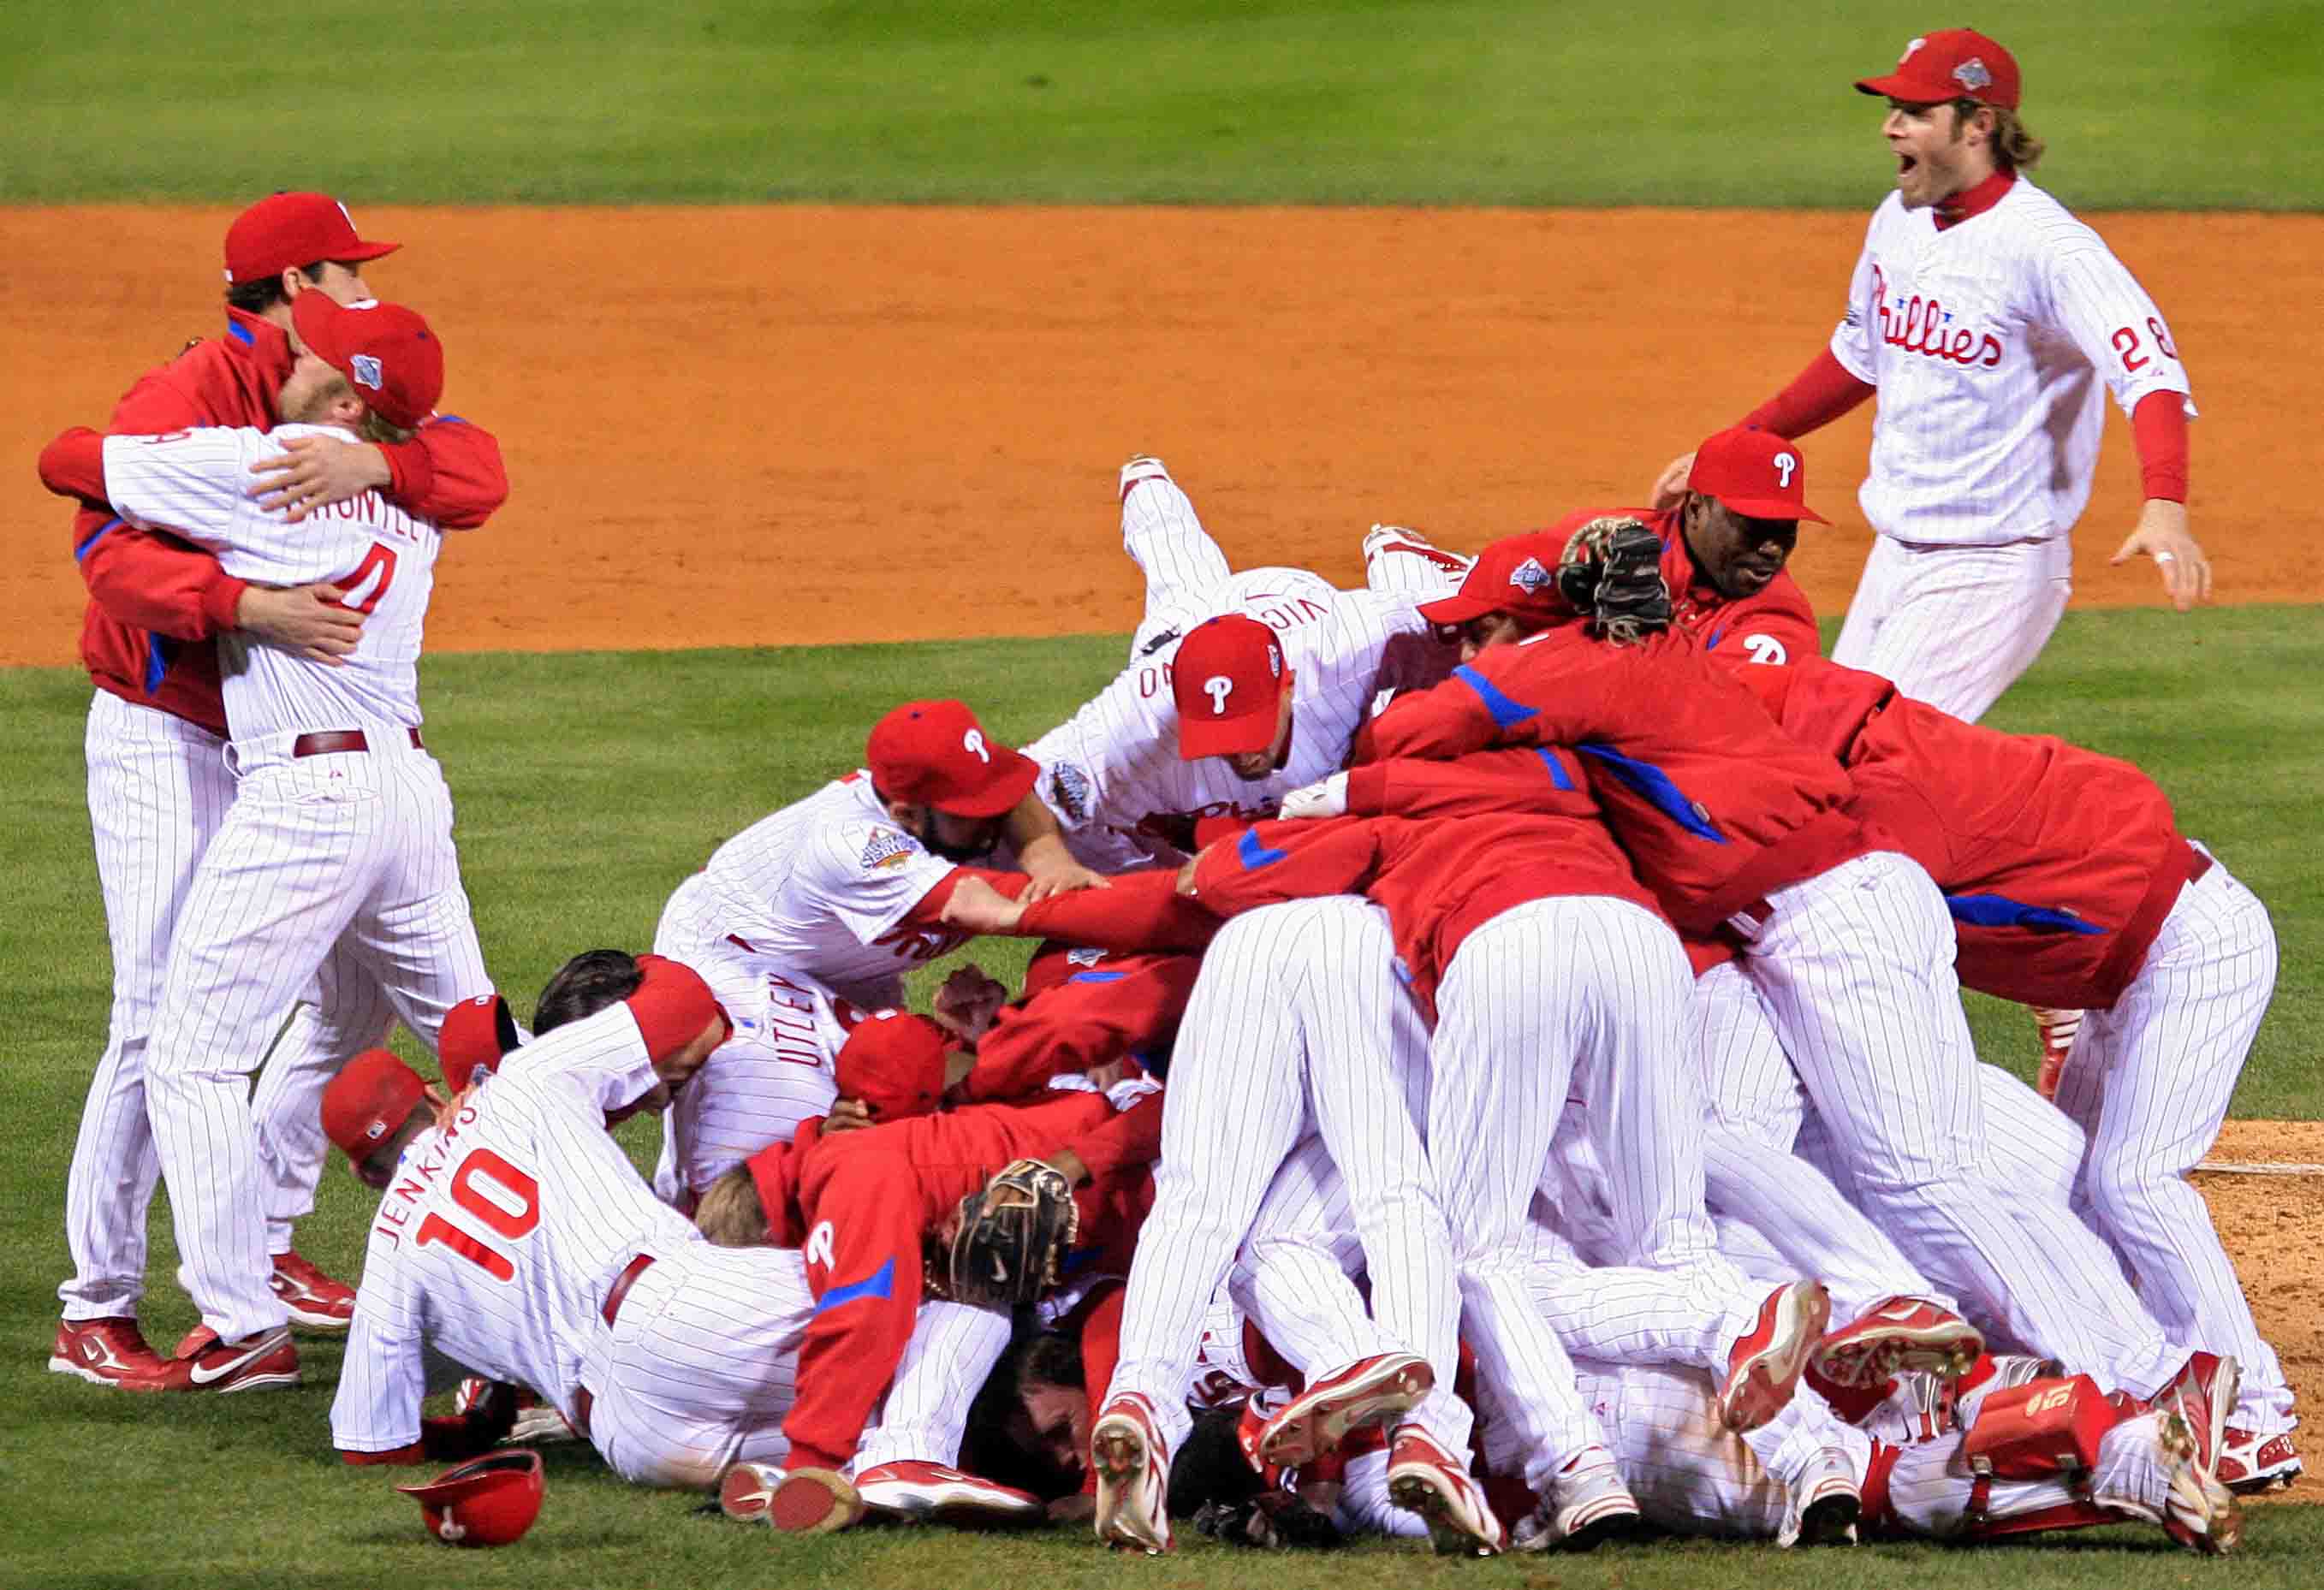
803 425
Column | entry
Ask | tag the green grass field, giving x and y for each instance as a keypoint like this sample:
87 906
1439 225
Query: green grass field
563 851
2146 103
589 784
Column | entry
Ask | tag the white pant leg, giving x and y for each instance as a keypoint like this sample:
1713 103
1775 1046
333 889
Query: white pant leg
158 790
700 1367
349 1013
417 932
1166 538
1292 1276
1236 1105
1624 1314
1955 625
1856 965
2150 1081
1511 1016
296 860
924 1414
1368 1085
2029 1145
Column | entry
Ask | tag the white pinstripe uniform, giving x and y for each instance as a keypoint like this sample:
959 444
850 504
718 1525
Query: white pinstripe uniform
1182 564
1988 341
2149 1082
1111 773
346 847
2027 1161
1297 1025
793 918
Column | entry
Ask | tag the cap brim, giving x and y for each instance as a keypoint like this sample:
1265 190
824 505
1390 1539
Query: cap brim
1013 776
1771 508
366 251
1226 737
1455 608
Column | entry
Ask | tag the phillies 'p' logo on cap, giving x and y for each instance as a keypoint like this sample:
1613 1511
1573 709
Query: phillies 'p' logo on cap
1228 678
1753 472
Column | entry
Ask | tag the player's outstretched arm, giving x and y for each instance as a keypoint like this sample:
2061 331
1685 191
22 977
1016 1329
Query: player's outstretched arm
2162 533
1035 834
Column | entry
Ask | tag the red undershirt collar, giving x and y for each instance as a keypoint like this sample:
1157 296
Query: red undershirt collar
1974 201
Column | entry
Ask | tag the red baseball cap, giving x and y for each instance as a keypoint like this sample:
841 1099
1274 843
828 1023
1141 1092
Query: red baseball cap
895 1063
368 1102
475 1036
1755 473
395 362
485 1502
291 229
1958 63
1229 680
935 753
1515 575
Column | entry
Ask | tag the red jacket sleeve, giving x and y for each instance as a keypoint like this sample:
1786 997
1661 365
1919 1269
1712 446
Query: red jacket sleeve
1080 1024
1741 634
1817 396
862 1254
1133 1138
1278 860
449 471
1141 911
1539 778
1449 720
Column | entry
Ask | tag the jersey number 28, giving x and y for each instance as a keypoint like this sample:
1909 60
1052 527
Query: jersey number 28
503 1199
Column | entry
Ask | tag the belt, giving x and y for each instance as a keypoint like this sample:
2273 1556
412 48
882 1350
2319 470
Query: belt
332 741
620 1291
2199 862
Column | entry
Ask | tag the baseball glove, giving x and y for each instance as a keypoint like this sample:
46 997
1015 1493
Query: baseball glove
1270 1520
1013 1234
1612 572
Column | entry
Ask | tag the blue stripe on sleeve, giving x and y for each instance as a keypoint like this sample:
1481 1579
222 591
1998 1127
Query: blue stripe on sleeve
1504 711
1656 786
880 1283
1254 855
157 663
2001 911
1097 977
104 530
240 333
1557 773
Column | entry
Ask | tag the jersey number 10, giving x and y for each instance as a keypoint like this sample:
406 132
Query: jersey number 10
508 1204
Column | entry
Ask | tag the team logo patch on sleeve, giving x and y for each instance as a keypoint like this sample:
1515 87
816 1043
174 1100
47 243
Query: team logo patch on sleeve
888 848
1084 956
1069 790
1529 576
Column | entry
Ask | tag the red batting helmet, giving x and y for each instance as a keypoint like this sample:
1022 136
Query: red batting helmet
489 1502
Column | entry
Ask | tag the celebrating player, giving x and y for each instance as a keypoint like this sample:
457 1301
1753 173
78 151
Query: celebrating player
1980 312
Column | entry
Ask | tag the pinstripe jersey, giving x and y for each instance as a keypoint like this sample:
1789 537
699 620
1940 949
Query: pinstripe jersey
196 483
1112 774
501 1232
1988 341
821 885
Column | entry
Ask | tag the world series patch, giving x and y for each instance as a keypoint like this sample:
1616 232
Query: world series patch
888 848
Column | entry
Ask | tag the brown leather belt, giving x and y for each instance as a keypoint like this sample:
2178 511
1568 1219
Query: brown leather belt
333 741
620 1291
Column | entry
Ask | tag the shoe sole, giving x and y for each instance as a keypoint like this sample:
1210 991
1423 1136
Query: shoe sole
1119 1448
743 1496
1882 1353
2279 1478
1450 1533
963 1511
62 1366
1614 1518
1306 1429
813 1501
321 1324
1763 1387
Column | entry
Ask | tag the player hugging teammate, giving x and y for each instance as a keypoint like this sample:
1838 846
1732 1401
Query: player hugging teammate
1424 966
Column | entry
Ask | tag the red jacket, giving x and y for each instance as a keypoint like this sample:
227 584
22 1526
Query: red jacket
1530 831
1088 1008
859 1203
1715 806
2059 864
1774 625
152 597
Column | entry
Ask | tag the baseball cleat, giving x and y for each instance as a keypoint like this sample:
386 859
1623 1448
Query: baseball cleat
1830 1502
931 1492
201 1338
2249 1463
1366 1392
1901 1334
109 1352
1765 1367
746 1489
2199 1512
1142 468
2203 1395
1423 1478
314 1299
811 1501
1133 1476
258 1362
1587 1503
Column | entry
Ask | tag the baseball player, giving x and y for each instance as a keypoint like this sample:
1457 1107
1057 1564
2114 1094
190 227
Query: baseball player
157 783
1172 741
340 829
1734 825
1986 317
2069 885
1725 545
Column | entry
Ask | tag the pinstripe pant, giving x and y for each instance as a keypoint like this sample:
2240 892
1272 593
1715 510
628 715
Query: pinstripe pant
1166 538
1295 1022
1856 969
1955 625
2149 1081
1292 1276
314 851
